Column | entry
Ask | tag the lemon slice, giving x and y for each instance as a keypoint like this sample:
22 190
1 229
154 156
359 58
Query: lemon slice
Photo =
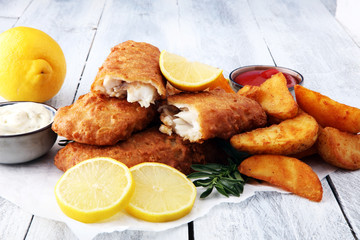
95 189
186 75
162 193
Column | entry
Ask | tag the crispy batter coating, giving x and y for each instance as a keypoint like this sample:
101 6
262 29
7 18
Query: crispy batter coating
147 146
204 115
132 61
100 120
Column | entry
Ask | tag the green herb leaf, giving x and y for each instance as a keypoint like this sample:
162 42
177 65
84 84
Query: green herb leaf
221 189
199 175
202 182
226 179
206 193
205 167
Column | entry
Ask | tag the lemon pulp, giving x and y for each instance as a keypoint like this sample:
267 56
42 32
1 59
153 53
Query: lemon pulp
186 75
95 189
162 193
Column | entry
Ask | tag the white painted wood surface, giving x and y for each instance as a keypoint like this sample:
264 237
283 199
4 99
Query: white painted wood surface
303 35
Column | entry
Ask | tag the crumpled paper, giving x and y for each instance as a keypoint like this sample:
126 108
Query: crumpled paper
31 187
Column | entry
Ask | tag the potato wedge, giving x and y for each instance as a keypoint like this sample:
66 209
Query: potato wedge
341 149
306 153
288 173
288 137
327 112
250 92
276 99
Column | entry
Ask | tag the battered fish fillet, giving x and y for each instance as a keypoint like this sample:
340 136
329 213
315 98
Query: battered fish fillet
131 70
200 116
101 120
146 146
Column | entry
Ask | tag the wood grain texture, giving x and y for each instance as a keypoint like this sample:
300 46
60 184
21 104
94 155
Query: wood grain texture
13 8
306 37
179 233
330 5
347 189
42 228
6 23
14 221
275 216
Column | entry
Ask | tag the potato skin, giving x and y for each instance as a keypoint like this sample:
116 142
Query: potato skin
339 148
276 99
250 92
288 173
327 112
291 136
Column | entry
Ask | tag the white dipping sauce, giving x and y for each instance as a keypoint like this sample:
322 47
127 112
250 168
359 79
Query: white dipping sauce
23 117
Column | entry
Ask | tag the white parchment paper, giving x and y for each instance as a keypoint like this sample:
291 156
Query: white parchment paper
31 187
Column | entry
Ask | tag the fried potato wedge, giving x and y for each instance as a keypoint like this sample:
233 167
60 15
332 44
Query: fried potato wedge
288 173
327 112
288 137
276 99
341 149
250 92
306 153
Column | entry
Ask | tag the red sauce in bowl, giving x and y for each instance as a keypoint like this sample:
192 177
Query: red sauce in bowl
257 77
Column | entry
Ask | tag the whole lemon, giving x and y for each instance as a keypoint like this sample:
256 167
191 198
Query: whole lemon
32 65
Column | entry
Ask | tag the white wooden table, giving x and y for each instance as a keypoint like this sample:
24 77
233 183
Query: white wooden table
303 35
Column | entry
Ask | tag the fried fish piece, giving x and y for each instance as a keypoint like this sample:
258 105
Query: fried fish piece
101 120
200 116
147 146
132 71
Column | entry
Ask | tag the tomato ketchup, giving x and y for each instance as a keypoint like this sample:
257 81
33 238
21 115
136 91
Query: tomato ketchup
257 77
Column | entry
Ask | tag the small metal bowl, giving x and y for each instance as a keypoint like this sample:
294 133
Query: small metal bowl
24 147
239 70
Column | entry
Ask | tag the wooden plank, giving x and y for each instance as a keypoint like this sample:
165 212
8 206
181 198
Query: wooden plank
275 216
347 190
13 8
14 221
347 14
6 23
179 233
305 36
330 5
73 25
42 228
220 41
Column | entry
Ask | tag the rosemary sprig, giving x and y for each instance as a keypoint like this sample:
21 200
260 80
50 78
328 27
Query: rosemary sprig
226 179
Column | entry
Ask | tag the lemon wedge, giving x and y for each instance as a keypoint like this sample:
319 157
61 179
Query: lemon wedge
186 75
95 189
162 193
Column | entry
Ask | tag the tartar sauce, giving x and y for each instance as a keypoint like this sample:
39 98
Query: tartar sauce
23 117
